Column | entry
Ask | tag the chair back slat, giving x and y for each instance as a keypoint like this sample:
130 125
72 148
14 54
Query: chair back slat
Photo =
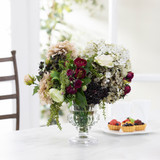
9 116
7 78
12 96
6 59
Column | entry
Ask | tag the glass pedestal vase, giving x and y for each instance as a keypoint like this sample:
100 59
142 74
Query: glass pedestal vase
83 120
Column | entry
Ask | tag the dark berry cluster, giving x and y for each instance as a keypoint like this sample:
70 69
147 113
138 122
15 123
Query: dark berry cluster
54 62
41 67
128 124
95 93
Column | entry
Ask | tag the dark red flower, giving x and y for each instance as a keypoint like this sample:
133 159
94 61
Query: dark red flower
71 79
80 73
130 75
71 90
70 72
78 83
79 62
127 89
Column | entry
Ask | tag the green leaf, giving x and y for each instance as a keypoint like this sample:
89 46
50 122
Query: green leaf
70 104
55 75
35 90
86 81
81 100
38 78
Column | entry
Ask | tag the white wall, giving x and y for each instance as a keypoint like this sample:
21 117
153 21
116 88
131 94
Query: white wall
25 39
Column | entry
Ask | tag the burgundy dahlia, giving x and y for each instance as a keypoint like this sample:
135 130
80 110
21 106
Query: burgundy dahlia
71 90
79 62
70 72
127 89
71 78
78 83
80 73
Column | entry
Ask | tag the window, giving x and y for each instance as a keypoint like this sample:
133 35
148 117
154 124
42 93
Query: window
138 30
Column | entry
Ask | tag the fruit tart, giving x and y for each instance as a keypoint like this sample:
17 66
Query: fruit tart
114 125
128 127
139 125
129 119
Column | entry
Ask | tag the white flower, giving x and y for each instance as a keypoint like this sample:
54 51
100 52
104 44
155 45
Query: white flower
108 75
56 95
105 60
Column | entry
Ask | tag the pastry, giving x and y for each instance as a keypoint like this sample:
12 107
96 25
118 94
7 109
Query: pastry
139 125
114 125
128 127
129 119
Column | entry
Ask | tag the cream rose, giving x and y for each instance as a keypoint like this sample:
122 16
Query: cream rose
105 60
56 95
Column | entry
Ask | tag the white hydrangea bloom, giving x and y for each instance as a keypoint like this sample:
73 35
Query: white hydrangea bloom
108 75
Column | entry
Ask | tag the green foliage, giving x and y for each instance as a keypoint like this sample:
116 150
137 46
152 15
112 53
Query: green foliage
64 80
35 90
103 107
55 75
86 81
89 67
39 78
54 114
81 100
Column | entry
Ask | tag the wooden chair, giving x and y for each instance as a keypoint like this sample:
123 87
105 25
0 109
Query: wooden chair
12 96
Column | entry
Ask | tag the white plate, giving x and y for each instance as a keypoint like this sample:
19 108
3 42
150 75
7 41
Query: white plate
121 133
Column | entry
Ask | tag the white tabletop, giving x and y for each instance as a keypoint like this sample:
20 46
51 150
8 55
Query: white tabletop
48 143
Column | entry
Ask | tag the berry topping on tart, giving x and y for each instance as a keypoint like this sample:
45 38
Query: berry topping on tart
138 122
114 122
128 124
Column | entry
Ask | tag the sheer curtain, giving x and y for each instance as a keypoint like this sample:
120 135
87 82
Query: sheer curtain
25 39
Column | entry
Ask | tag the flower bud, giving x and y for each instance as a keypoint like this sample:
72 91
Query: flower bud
127 89
130 75
29 80
84 88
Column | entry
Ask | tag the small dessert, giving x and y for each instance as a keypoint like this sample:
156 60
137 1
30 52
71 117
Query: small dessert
129 119
128 127
114 125
139 125
125 121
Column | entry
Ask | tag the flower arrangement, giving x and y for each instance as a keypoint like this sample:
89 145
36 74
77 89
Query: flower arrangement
100 75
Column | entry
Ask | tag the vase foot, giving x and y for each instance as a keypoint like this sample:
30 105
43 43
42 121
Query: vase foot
83 140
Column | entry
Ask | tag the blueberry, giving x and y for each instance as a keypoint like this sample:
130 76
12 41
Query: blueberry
108 123
41 73
117 124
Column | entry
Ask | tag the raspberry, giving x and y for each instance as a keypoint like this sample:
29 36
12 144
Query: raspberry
113 122
138 122
127 120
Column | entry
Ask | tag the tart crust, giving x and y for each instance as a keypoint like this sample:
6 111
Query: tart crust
114 127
